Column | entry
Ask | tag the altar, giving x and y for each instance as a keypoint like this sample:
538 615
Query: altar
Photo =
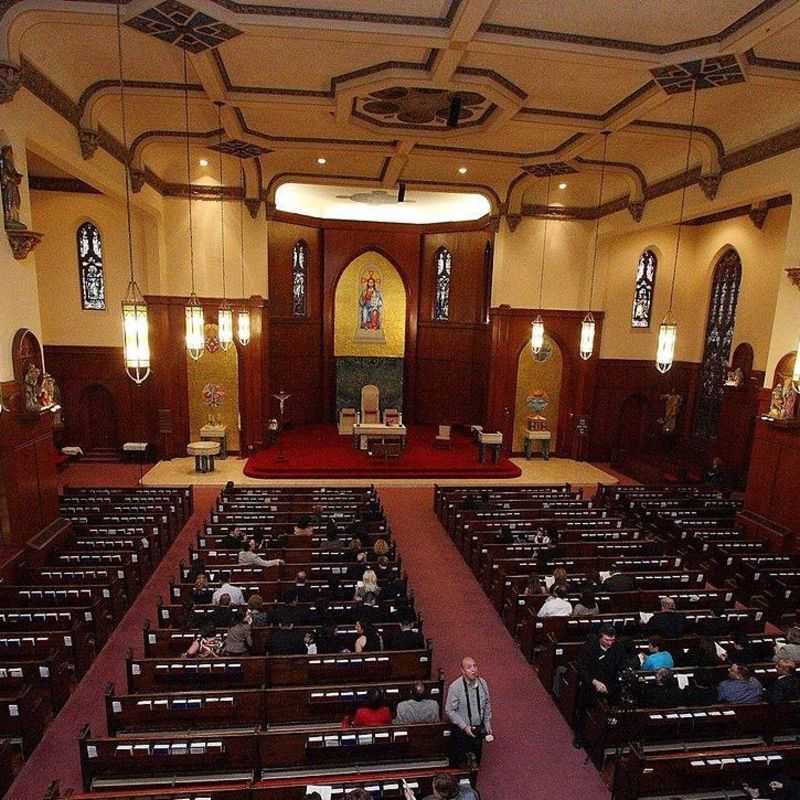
364 431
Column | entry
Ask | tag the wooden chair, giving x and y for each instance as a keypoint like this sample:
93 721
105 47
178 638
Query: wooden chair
443 440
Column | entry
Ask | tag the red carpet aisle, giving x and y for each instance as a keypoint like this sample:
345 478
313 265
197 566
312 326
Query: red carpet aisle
318 451
532 756
56 757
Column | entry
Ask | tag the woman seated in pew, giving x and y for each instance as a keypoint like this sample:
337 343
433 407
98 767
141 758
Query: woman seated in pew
238 639
255 613
560 578
383 569
587 606
381 547
372 715
557 604
201 591
367 637
703 655
534 586
206 644
368 585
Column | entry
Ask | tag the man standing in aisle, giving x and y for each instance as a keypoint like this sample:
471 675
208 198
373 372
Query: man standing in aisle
469 709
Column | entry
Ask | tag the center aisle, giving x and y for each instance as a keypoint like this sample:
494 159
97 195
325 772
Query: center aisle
532 754
57 755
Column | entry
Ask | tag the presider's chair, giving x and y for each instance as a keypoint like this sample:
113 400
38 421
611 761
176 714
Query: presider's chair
370 405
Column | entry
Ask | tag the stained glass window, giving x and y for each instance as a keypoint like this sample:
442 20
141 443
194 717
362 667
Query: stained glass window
441 300
643 290
90 267
719 334
299 278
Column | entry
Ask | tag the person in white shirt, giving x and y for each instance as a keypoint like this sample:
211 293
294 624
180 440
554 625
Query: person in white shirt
249 556
235 593
557 604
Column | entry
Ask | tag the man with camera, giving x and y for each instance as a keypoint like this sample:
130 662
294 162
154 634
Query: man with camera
469 709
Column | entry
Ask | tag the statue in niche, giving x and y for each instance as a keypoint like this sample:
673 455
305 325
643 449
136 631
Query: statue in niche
10 180
672 406
783 400
734 377
370 302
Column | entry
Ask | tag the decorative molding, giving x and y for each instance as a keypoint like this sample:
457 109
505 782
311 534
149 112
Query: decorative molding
10 81
44 183
513 220
253 205
793 273
494 76
701 73
240 149
636 208
758 215
138 178
710 184
548 170
739 211
40 85
771 63
89 141
22 241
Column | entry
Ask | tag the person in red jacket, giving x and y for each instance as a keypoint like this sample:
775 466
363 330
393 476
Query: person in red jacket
375 713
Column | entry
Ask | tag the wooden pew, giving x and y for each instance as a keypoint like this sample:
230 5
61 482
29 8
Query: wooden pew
47 673
97 616
24 713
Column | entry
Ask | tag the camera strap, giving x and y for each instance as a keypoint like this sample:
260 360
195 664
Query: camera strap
477 701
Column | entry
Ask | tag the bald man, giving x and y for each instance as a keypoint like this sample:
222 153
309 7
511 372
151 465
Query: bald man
469 710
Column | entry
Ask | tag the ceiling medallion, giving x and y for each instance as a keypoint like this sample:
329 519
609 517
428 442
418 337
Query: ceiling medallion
182 26
240 149
705 73
547 170
415 107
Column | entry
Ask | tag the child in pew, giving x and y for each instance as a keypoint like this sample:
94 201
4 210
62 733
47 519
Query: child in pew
206 644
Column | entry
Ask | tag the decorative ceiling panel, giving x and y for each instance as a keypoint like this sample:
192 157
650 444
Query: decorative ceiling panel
240 149
706 73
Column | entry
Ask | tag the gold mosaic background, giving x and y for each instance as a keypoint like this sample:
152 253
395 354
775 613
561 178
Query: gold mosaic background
531 375
221 368
346 310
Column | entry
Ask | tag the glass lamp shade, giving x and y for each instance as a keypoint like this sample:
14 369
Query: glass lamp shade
537 334
225 326
667 336
135 335
243 326
195 328
587 337
796 371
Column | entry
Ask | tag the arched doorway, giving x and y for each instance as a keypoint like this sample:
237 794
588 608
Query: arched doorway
369 327
541 372
631 425
98 419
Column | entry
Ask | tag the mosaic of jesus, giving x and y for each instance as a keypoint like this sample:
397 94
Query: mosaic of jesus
370 305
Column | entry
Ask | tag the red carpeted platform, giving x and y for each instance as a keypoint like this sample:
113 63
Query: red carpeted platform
318 451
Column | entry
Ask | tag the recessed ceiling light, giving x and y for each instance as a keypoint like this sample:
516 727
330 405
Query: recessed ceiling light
562 185
203 162
322 160
462 170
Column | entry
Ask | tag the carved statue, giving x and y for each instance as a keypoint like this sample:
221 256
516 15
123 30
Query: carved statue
672 406
32 388
47 391
783 400
10 180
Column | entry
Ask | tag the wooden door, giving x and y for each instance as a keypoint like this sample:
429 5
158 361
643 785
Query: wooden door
98 419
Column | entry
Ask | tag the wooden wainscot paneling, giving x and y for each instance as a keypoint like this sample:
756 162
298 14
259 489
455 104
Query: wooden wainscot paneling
772 482
510 332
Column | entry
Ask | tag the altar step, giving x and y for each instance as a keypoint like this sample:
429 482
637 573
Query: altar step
102 455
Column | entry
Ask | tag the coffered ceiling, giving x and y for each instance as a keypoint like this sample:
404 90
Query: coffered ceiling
366 85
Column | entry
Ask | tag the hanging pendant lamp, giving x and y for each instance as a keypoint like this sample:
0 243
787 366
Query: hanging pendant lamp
243 314
135 326
668 330
225 312
195 322
537 326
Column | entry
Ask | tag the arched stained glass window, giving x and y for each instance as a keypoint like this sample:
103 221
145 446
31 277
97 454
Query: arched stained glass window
299 278
441 299
643 290
719 334
90 267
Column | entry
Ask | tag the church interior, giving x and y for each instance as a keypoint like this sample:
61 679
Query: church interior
513 287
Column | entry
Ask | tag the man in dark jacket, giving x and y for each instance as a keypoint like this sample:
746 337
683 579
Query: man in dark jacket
786 687
668 622
599 663
619 582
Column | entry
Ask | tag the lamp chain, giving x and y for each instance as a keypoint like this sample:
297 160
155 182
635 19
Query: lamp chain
544 240
188 160
221 200
597 220
126 166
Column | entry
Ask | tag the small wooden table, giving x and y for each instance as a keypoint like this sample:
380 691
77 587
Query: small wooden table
494 441
204 453
543 437
362 432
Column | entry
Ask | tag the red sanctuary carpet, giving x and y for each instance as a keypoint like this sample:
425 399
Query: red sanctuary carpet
318 451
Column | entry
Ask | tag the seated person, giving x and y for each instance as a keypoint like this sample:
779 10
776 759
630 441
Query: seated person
367 585
222 615
285 641
407 638
358 565
790 649
664 692
354 548
300 591
667 622
557 604
418 708
446 787
367 637
374 713
381 547
504 535
238 639
741 651
587 606
255 610
201 591
249 557
701 690
619 582
234 592
332 540
741 688
310 641
383 569
229 486
303 526
534 586
206 644
778 787
233 539
786 686
560 578
657 658
541 536
704 655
